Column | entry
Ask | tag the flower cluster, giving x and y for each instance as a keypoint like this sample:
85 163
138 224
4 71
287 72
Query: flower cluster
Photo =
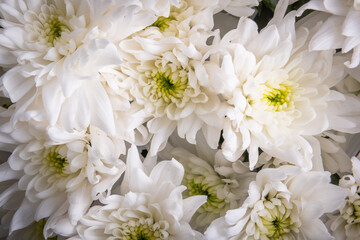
161 119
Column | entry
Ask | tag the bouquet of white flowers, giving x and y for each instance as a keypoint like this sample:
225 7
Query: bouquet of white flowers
160 119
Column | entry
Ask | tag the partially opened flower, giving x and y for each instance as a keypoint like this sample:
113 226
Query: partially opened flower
339 27
283 203
151 206
61 174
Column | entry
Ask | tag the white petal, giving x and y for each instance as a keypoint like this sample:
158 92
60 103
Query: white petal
80 201
15 84
315 230
356 168
101 109
6 173
217 230
171 171
191 205
328 36
24 216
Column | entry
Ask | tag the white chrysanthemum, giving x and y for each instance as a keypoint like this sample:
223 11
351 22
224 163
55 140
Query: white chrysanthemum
55 51
208 173
278 92
283 203
151 206
165 76
339 27
61 176
346 223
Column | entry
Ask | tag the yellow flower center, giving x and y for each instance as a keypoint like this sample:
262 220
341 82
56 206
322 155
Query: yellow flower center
278 99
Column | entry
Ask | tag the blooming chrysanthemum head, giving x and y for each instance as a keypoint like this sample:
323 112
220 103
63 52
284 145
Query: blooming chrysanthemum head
281 205
60 164
163 83
45 26
279 93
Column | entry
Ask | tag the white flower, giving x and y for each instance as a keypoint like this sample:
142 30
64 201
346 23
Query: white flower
278 92
208 173
152 206
283 203
162 67
61 175
346 223
56 51
339 27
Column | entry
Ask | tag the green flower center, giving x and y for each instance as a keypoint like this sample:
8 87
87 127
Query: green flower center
142 229
277 219
167 86
278 99
56 161
162 23
54 27
199 185
48 27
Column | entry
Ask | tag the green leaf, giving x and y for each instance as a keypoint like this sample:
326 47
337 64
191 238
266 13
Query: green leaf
271 4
